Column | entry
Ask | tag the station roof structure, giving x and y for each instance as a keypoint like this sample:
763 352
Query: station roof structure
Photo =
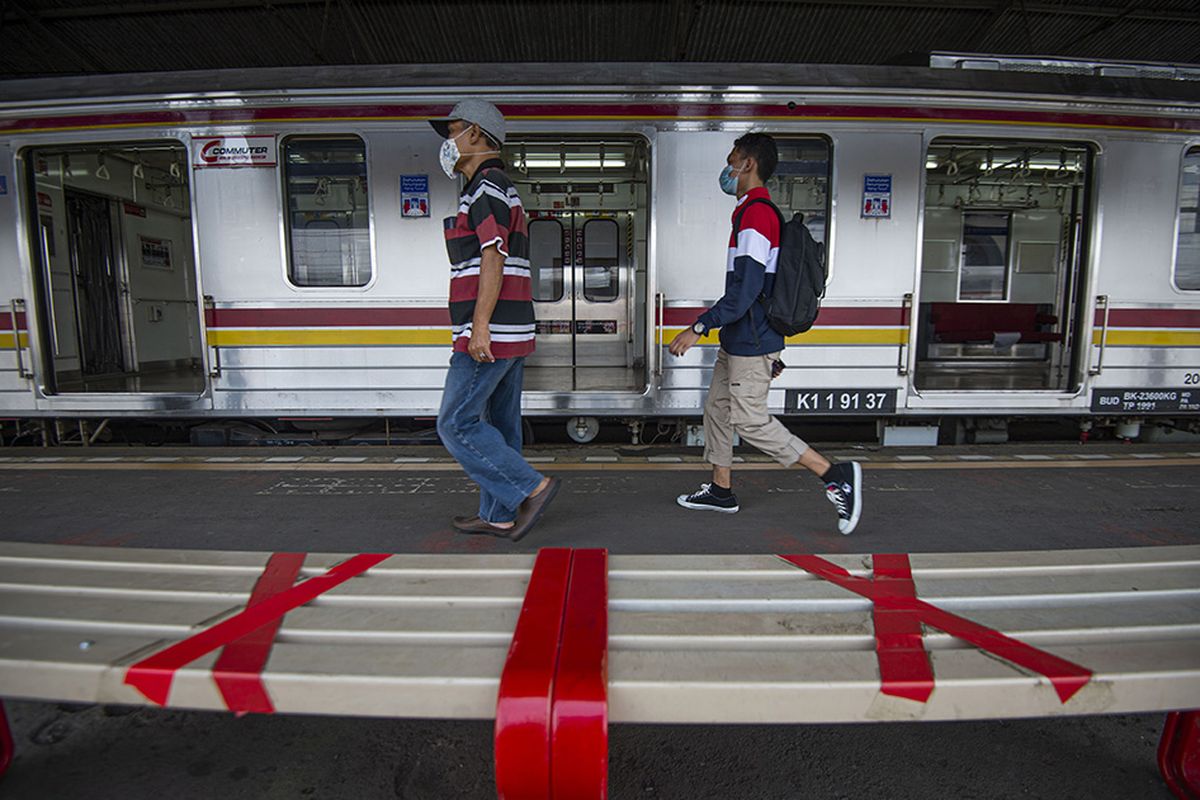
46 38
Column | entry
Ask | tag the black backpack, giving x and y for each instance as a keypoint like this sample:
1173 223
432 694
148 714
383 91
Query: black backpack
800 275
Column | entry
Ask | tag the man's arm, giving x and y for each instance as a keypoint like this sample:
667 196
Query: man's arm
491 278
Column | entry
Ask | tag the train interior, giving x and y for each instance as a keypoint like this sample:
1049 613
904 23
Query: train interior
588 205
1002 265
114 272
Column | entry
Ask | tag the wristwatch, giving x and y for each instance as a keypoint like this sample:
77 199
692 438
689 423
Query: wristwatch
699 328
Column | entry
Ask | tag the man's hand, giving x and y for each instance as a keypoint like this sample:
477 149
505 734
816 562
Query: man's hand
480 346
684 341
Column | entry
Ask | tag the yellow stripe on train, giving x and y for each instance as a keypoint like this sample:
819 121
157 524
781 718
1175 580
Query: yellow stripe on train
818 336
1131 337
6 341
325 337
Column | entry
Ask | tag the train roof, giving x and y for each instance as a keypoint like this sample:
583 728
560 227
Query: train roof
628 77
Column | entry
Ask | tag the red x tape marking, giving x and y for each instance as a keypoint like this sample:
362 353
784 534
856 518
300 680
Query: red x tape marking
238 671
1066 677
152 676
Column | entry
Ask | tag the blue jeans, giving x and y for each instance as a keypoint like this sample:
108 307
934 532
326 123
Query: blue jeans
480 424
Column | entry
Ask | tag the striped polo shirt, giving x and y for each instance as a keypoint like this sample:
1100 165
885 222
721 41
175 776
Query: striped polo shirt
490 213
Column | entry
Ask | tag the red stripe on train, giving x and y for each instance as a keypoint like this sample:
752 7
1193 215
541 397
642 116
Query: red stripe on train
830 316
216 116
326 317
6 321
1150 318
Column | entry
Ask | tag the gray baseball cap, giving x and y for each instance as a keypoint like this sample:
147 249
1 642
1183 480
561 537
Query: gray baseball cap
477 111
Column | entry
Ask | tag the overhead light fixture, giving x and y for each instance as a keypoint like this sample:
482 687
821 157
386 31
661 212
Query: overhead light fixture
582 161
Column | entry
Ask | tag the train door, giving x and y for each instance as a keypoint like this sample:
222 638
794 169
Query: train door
1002 269
117 305
587 205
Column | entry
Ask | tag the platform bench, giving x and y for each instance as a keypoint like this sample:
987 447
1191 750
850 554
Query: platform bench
557 645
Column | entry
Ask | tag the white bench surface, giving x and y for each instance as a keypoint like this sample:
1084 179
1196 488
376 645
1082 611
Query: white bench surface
692 638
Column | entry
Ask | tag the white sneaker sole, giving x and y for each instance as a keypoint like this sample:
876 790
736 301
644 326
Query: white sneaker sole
682 500
847 526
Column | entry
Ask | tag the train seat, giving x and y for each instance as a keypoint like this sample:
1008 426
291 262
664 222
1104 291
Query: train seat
999 323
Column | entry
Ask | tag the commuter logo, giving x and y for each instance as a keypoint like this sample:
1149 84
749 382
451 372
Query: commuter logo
234 151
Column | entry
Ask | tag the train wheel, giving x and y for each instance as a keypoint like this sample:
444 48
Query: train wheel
583 429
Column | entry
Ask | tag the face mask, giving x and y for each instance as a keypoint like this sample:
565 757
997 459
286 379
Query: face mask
728 179
449 155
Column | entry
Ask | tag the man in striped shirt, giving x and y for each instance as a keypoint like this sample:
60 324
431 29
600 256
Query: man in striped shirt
750 348
491 317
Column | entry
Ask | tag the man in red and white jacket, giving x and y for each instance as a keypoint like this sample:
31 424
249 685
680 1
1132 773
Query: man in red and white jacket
750 348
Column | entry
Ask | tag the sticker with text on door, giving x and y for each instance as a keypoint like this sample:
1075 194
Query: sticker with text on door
840 401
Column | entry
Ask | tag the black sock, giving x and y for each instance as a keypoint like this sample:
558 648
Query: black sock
720 491
832 474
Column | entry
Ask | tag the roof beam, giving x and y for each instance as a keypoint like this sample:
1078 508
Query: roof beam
75 50
1094 10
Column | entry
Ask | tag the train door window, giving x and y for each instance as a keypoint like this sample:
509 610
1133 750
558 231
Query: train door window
983 272
115 279
1187 245
800 184
328 222
546 259
1002 265
601 275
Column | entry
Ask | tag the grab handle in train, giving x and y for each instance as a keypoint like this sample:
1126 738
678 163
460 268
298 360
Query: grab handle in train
906 313
18 303
1101 301
214 351
660 302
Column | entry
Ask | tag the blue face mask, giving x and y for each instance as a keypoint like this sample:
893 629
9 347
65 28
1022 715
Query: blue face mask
728 179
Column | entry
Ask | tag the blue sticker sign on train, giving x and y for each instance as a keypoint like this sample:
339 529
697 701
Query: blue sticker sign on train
414 195
877 196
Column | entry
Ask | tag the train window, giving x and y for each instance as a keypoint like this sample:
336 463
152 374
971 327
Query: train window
983 274
1187 246
601 273
800 184
546 259
328 225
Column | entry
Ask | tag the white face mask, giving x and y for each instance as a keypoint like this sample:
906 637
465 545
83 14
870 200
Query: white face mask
449 154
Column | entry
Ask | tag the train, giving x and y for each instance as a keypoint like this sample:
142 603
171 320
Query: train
1003 237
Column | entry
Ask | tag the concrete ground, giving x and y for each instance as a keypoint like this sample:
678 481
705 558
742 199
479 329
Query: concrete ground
400 500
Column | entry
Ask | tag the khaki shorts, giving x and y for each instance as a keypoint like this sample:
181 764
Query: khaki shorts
737 403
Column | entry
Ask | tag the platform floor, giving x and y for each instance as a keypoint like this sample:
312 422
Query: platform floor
401 499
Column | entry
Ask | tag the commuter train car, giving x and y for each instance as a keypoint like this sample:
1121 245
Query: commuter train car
998 242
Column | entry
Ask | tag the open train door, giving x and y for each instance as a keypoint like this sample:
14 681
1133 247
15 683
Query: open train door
1001 308
587 203
117 317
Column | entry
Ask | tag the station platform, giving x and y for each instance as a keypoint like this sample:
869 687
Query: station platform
400 499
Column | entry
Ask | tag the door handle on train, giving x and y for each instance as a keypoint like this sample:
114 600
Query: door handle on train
660 301
902 356
1101 300
18 303
214 351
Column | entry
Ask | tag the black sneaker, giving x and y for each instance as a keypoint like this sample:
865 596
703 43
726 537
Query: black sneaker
705 500
844 490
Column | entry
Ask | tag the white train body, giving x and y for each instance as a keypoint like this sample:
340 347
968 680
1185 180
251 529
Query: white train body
279 252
